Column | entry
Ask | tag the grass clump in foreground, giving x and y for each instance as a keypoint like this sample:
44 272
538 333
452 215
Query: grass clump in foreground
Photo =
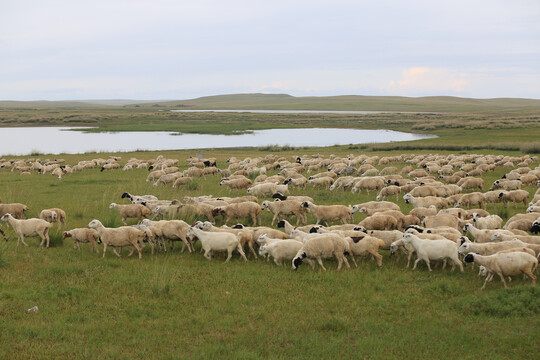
180 305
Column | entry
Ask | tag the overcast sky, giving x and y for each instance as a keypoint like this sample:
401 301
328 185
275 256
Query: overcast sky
176 49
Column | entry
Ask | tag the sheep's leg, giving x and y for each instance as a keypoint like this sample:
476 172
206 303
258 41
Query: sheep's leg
275 217
117 253
94 247
311 263
353 260
346 261
502 279
250 244
21 239
532 277
278 263
416 263
241 251
124 221
378 257
104 249
409 256
229 255
207 254
319 260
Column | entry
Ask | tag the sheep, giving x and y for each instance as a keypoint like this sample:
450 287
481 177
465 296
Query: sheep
341 182
324 181
368 183
471 183
60 216
264 189
507 185
441 220
138 198
448 232
506 264
172 230
470 199
530 217
422 212
213 241
82 235
487 248
488 222
182 181
483 235
515 196
236 184
425 201
300 199
529 239
239 211
281 250
388 191
287 207
29 227
388 237
245 236
15 209
122 236
386 205
366 245
136 211
110 166
330 212
379 222
300 181
433 250
325 246
287 227
48 215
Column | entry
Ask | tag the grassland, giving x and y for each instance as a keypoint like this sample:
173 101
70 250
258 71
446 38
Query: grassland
182 306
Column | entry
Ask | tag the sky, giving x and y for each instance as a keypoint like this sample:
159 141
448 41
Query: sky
176 49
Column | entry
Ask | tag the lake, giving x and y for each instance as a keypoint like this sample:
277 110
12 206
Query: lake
59 140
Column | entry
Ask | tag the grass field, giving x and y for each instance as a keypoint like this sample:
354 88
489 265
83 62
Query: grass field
182 306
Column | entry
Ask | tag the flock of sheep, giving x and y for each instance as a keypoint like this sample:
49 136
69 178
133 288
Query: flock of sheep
446 192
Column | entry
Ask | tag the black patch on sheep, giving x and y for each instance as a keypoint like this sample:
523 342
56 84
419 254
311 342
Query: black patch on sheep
313 230
238 226
287 181
469 258
304 204
535 228
356 239
99 241
103 168
462 240
151 167
279 196
281 224
298 160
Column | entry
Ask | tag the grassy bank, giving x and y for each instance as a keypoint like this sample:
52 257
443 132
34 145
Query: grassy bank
177 305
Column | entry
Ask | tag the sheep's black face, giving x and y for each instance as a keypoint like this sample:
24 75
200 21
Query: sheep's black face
356 239
281 224
468 259
501 195
238 226
535 229
304 205
297 261
313 230
406 201
125 195
99 241
462 240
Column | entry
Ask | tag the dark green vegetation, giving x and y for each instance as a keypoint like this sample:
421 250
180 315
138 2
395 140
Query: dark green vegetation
182 306
500 124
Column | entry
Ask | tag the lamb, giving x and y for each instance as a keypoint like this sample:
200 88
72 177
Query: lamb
325 246
239 211
15 209
515 196
281 250
367 245
173 230
29 227
138 198
433 250
506 264
287 207
379 222
117 237
216 241
82 235
388 191
487 222
136 211
329 212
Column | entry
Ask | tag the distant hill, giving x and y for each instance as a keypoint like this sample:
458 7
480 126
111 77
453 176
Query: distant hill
288 102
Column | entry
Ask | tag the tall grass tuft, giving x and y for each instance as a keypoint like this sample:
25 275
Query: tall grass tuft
161 278
56 238
192 185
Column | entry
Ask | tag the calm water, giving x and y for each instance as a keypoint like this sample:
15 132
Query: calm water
55 140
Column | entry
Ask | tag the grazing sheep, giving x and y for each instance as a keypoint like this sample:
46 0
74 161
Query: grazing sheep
136 211
507 185
471 199
287 227
425 201
300 199
389 191
368 183
216 241
433 250
29 227
235 184
322 247
422 212
386 205
245 236
324 181
471 183
117 237
379 222
48 215
239 211
138 198
483 235
60 216
15 209
328 213
506 264
487 248
515 196
182 181
287 207
264 189
82 235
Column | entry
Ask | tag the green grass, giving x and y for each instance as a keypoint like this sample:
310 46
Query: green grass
175 305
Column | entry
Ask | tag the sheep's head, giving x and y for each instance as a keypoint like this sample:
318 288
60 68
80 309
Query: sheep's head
469 258
281 224
112 205
407 238
305 204
535 228
393 248
482 271
239 226
297 261
264 205
125 195
94 224
314 230
263 251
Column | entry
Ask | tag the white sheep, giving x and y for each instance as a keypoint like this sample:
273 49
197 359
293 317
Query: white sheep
281 250
136 211
138 198
506 264
433 250
29 227
82 235
487 222
330 212
322 247
216 241
117 237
